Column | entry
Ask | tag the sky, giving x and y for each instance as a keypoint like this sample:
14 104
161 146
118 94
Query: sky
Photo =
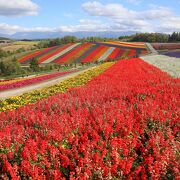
89 15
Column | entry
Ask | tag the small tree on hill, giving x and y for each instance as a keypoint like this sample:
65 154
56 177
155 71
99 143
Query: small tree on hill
2 67
34 65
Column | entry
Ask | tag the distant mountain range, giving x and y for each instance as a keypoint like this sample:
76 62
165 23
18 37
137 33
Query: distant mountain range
80 34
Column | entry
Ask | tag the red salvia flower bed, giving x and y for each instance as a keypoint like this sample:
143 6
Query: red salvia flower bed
90 57
123 124
114 54
132 53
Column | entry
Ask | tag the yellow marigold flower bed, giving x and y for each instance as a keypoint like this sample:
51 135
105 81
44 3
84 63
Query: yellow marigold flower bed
32 97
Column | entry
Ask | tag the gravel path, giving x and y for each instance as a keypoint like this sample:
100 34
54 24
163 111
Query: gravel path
18 91
167 64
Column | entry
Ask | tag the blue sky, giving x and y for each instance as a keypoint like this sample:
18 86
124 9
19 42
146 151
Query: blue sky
89 15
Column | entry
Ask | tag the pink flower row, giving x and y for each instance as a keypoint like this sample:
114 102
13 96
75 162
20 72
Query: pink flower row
34 80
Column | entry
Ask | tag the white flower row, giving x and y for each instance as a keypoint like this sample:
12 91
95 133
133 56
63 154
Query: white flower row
167 64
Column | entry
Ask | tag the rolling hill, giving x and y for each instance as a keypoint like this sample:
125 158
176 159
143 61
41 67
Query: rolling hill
86 52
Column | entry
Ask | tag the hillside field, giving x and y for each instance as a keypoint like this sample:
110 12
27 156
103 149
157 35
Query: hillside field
86 52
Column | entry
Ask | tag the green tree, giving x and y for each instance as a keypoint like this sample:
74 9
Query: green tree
155 37
3 53
10 67
34 65
174 37
2 67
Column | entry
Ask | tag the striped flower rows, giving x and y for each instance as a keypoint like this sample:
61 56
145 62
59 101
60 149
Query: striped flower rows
26 59
86 52
134 48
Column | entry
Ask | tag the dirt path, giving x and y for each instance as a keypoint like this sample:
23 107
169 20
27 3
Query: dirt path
18 91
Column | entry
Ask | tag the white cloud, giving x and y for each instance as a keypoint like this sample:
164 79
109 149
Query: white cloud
83 25
68 15
156 13
11 29
116 18
18 8
111 10
134 1
171 23
123 18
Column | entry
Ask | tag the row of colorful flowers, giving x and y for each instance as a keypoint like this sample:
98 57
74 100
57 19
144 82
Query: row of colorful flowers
172 53
30 81
7 81
121 125
32 97
140 45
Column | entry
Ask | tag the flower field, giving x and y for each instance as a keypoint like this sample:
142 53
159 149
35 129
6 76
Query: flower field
53 53
34 96
86 52
29 81
130 49
36 54
67 56
128 44
123 124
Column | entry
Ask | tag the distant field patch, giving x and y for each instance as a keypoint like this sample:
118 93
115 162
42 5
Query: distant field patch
18 45
32 43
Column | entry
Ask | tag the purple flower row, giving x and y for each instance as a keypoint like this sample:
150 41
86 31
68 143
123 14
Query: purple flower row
173 54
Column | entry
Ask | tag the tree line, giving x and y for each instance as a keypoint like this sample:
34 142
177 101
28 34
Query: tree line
70 39
153 37
139 37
